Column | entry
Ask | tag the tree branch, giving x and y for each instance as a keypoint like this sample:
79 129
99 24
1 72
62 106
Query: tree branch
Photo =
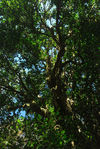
34 107
23 84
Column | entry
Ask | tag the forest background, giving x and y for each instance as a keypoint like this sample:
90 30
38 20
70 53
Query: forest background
49 69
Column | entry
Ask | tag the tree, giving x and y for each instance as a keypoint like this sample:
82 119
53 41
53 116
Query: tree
49 67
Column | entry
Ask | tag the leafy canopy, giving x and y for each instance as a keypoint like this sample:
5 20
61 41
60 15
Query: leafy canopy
49 69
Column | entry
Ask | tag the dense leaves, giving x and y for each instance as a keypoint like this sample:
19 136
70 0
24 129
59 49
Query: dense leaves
49 74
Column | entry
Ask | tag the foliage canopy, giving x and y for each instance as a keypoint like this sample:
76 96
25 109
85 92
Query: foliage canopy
49 68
